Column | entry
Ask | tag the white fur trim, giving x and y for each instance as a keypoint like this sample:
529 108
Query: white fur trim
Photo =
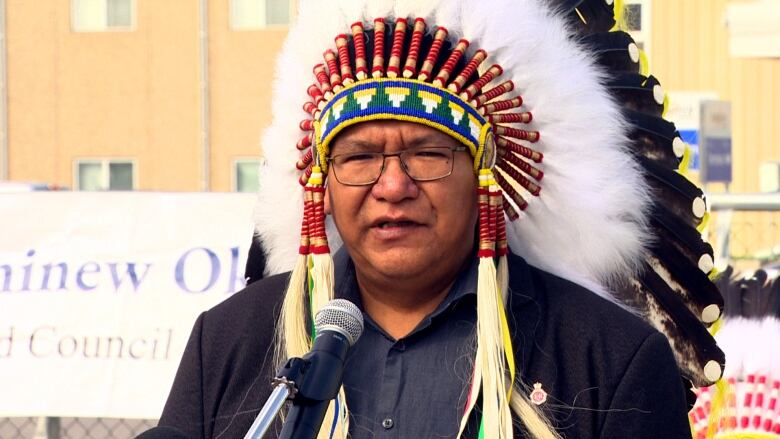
750 346
587 225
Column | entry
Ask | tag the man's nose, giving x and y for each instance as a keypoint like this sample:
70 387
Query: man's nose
394 184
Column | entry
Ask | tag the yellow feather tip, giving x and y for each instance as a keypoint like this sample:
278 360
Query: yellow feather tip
666 105
685 162
618 10
705 221
644 64
718 405
716 326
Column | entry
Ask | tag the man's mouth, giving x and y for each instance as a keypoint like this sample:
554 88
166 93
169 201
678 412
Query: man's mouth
389 224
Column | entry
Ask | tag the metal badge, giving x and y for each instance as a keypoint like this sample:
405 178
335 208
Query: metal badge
538 395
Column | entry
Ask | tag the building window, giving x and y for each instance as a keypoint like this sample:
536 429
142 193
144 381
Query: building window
102 15
259 14
246 174
636 20
104 175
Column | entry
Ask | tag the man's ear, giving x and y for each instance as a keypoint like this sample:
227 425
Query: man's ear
326 200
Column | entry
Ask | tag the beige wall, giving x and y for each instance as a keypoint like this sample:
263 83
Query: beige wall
702 63
241 67
103 94
690 52
137 94
134 94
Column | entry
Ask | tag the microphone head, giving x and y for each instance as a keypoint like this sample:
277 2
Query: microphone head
343 316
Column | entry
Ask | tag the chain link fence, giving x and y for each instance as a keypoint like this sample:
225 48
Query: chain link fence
73 428
745 228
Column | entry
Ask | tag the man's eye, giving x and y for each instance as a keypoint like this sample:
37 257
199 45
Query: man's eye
432 153
356 158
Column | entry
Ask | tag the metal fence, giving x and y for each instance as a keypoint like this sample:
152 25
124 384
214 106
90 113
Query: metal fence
73 428
746 227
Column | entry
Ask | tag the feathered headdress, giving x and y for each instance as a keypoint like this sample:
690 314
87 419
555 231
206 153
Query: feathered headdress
578 170
746 403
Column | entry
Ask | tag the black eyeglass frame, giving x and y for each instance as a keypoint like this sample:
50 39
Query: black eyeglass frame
398 154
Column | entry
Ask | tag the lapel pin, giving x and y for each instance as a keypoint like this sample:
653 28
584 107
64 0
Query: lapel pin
538 395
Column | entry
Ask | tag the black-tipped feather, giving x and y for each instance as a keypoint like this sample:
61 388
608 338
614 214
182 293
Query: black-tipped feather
615 51
654 138
688 281
673 231
693 345
637 92
681 197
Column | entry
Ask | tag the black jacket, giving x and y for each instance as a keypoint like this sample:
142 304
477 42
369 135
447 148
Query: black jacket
607 373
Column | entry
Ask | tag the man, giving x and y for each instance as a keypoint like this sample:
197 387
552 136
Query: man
416 154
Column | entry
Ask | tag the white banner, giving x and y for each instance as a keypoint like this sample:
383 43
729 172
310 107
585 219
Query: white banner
99 292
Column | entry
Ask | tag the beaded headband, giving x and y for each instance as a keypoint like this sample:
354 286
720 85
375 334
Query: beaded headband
455 101
458 102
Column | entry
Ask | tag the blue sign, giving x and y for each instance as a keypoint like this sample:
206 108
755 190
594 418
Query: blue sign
717 159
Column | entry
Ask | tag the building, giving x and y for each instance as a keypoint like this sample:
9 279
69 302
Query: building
172 95
166 95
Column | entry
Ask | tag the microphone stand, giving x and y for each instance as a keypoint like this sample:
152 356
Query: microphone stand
284 388
311 382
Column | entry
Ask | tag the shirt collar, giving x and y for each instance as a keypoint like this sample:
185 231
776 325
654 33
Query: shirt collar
347 288
525 306
520 283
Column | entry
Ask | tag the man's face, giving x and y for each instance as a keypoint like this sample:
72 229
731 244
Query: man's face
397 228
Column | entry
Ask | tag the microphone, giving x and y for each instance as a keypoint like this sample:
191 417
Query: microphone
162 432
315 379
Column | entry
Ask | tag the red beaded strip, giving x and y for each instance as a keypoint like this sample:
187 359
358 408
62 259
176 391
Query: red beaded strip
516 133
310 108
316 94
306 125
377 65
486 244
521 164
394 65
304 161
361 65
493 93
510 117
305 176
317 237
449 65
492 73
333 69
510 211
493 107
516 197
502 246
410 68
531 187
305 142
344 62
433 54
322 78
494 203
524 151
460 80
304 248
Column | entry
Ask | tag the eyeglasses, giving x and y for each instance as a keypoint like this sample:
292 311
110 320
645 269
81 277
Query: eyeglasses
420 164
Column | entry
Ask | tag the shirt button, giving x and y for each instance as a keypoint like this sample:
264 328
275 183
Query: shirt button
387 423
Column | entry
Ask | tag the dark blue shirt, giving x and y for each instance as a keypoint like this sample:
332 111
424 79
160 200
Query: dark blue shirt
415 386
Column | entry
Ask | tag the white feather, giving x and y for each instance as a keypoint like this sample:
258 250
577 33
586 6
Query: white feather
586 226
750 346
